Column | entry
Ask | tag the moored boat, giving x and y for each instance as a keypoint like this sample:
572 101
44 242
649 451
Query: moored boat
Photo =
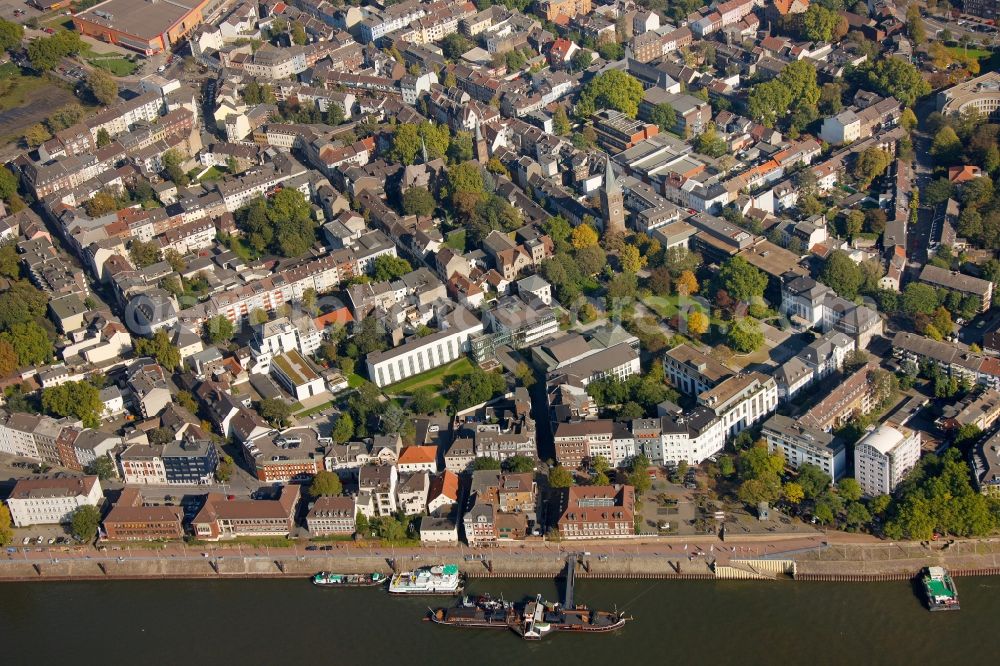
327 579
440 579
531 619
940 590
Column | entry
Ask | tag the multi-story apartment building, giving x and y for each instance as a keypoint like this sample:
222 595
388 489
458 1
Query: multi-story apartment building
332 516
551 9
377 490
617 132
142 464
379 23
802 444
981 290
574 440
597 512
884 456
48 501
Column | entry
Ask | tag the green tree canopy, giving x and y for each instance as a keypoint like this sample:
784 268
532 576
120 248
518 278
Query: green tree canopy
30 342
282 224
160 348
84 523
741 280
613 89
560 477
485 462
842 275
389 267
219 329
418 201
102 86
896 77
78 399
275 411
326 484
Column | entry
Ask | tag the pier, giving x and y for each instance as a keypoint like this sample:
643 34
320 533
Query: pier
570 581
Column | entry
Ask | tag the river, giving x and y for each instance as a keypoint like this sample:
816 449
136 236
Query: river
686 622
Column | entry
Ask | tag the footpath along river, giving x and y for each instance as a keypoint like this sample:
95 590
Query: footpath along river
676 622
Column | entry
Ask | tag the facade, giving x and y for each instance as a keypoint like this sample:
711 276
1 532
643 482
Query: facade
801 445
222 518
426 353
144 27
190 461
48 501
298 375
981 290
884 456
612 202
332 516
377 490
986 466
130 519
692 371
597 512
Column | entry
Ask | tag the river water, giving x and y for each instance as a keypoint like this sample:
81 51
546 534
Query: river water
676 622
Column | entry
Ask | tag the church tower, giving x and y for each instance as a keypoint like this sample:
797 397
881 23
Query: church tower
612 202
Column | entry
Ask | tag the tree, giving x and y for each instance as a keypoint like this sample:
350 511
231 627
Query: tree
519 464
389 267
919 298
742 280
710 143
525 375
36 135
224 470
697 323
754 491
418 201
631 260
257 316
160 348
744 335
896 77
915 24
583 236
6 533
255 93
78 399
663 116
11 35
343 429
855 222
454 45
591 259
560 477
299 36
485 462
219 329
8 359
792 492
581 60
850 489
857 515
819 23
908 120
560 121
30 342
871 164
687 283
841 274
768 101
275 411
326 484
613 89
946 146
102 86
84 522
813 480
144 253
102 467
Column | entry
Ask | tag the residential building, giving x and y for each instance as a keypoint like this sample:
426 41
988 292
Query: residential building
52 500
442 496
942 278
417 459
377 490
884 456
332 516
986 465
801 444
411 492
597 512
298 375
438 529
190 461
692 371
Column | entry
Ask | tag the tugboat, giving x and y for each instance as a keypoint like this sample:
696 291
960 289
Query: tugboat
480 612
327 579
443 579
940 590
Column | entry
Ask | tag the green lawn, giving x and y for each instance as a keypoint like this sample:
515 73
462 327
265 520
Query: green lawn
456 240
354 380
16 90
117 66
213 173
314 410
432 378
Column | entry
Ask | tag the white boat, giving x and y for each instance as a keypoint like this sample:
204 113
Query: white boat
440 579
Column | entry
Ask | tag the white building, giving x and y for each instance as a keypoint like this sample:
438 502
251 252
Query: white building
884 456
802 445
48 501
280 337
426 353
534 286
142 464
298 375
438 530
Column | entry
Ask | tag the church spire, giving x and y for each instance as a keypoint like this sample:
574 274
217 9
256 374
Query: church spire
610 181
